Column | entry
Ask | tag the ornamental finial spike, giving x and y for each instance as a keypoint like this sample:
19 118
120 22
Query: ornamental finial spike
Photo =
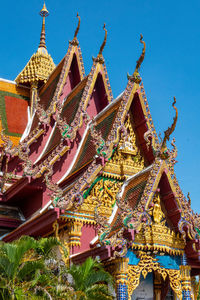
171 129
140 60
43 13
74 42
104 41
136 76
78 26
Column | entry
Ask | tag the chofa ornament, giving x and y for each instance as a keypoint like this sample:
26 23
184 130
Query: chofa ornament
136 76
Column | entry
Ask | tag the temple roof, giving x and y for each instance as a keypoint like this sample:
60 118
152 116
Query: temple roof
41 64
82 148
39 67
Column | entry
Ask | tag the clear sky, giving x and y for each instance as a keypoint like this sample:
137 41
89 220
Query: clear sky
171 30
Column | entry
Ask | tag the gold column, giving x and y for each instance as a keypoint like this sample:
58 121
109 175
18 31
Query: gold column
157 286
121 276
75 227
121 267
185 278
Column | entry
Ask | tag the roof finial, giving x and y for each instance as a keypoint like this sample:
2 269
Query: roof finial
140 60
43 13
104 41
78 26
170 130
99 57
136 76
74 42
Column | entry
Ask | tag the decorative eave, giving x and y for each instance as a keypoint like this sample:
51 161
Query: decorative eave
91 80
39 67
158 168
125 99
62 69
73 49
111 107
112 139
179 209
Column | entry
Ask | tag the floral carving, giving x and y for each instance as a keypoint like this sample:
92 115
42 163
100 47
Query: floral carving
149 264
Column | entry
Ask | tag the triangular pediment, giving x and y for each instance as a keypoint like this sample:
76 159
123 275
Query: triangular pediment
65 77
127 158
149 206
137 198
85 97
156 232
109 135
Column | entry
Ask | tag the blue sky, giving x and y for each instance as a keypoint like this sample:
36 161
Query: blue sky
171 30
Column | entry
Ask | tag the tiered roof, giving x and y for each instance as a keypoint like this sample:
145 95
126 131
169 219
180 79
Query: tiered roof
41 64
86 157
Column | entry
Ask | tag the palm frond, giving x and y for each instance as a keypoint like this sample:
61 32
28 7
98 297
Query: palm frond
45 245
100 276
4 264
29 268
99 292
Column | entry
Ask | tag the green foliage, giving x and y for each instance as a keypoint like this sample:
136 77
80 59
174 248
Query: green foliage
45 245
23 268
90 281
30 269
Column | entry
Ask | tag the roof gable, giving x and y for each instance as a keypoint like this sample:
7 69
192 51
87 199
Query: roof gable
81 97
133 212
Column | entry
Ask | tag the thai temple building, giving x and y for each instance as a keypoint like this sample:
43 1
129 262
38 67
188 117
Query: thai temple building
78 164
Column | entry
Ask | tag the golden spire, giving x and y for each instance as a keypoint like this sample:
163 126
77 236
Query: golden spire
99 57
140 60
78 26
104 41
136 76
75 40
43 13
41 63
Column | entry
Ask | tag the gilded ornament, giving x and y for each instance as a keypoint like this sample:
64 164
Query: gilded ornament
161 150
74 232
103 194
41 64
136 76
149 264
185 277
157 211
74 42
171 129
120 270
126 160
99 57
157 236
39 67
